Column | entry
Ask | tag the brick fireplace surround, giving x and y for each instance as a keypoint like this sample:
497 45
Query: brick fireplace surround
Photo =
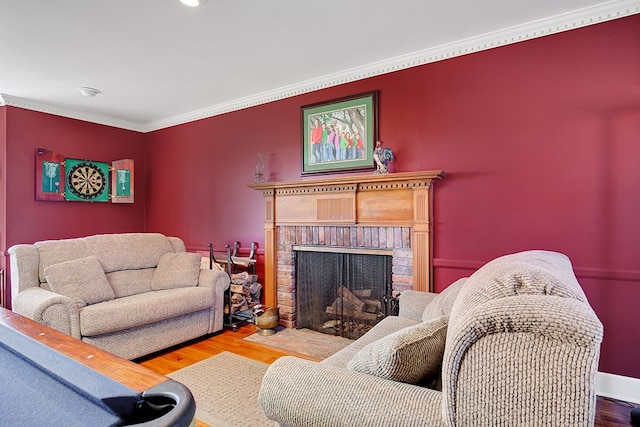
379 213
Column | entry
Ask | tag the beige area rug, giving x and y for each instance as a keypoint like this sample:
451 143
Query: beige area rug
225 387
303 341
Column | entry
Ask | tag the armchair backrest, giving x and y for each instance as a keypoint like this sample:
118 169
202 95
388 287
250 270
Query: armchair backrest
522 346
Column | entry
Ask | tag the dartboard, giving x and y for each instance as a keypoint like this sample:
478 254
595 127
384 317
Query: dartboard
86 180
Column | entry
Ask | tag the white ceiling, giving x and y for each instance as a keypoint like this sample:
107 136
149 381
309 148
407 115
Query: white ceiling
159 63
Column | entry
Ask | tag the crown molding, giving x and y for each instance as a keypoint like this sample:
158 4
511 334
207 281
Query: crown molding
101 119
543 27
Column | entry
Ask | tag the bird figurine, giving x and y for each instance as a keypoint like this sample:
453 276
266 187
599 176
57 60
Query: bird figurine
382 157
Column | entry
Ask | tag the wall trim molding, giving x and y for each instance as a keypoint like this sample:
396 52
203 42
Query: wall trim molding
602 12
618 387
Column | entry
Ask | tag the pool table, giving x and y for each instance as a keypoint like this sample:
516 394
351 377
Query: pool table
51 379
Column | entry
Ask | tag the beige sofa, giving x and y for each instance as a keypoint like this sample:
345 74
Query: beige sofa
130 294
515 344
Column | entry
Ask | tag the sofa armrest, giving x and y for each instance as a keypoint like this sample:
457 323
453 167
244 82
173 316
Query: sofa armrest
299 392
49 308
413 303
218 281
25 264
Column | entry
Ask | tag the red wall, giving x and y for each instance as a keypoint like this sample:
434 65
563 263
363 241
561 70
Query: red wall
540 139
29 220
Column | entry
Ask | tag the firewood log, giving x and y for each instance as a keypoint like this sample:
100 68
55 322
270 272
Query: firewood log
351 301
362 293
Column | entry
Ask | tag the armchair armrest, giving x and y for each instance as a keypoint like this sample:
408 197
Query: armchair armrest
522 350
49 308
218 281
299 392
413 303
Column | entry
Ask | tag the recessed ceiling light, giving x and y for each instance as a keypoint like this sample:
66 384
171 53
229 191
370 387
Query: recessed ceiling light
88 91
193 3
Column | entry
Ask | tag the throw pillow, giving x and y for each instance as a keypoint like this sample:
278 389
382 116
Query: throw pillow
441 305
83 280
410 355
176 270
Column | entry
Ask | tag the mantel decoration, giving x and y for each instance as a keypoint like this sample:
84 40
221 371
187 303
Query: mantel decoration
383 157
63 179
259 175
338 135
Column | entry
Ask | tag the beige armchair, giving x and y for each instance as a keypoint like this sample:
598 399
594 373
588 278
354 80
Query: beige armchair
521 348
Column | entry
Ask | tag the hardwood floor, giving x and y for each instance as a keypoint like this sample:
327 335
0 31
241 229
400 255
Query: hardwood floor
610 413
196 351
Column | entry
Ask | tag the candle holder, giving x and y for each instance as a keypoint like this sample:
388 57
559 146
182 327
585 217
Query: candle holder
259 175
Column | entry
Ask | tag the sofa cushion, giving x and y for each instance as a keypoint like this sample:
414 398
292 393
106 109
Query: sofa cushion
126 251
142 309
130 282
411 355
82 280
386 326
411 304
441 304
176 270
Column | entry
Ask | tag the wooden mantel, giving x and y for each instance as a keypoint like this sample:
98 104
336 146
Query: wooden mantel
396 200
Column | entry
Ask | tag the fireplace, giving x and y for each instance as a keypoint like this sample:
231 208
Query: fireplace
340 292
391 243
392 212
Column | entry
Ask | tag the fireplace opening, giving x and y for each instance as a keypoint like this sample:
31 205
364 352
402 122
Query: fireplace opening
343 293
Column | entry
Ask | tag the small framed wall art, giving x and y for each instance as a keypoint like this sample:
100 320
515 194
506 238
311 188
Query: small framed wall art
49 175
122 181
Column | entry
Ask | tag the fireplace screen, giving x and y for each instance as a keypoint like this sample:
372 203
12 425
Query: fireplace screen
342 293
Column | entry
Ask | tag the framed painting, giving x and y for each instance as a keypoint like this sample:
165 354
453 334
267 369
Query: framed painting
338 135
50 170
